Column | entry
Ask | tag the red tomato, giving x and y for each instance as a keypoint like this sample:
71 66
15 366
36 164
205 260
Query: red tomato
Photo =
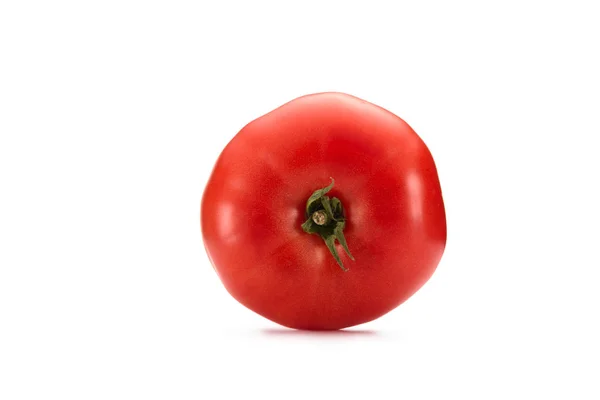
386 203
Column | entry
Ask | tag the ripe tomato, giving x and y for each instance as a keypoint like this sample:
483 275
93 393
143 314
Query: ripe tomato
324 213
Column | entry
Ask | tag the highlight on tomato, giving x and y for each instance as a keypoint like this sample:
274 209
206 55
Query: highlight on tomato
325 213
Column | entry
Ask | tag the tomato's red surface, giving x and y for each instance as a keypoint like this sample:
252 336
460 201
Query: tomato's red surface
254 205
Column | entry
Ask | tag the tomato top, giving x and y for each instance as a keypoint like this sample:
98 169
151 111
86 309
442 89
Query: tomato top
254 208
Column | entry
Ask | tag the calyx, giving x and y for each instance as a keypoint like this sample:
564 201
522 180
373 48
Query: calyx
325 217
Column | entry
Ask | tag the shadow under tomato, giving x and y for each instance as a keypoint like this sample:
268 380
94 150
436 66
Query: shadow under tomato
346 333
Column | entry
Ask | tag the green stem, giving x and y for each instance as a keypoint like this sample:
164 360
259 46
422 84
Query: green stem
325 217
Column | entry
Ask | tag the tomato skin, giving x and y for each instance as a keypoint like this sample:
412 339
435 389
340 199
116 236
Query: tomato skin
254 205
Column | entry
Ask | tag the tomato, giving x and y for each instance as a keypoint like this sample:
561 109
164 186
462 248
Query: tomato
324 213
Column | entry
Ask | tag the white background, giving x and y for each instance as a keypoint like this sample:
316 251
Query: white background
112 114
